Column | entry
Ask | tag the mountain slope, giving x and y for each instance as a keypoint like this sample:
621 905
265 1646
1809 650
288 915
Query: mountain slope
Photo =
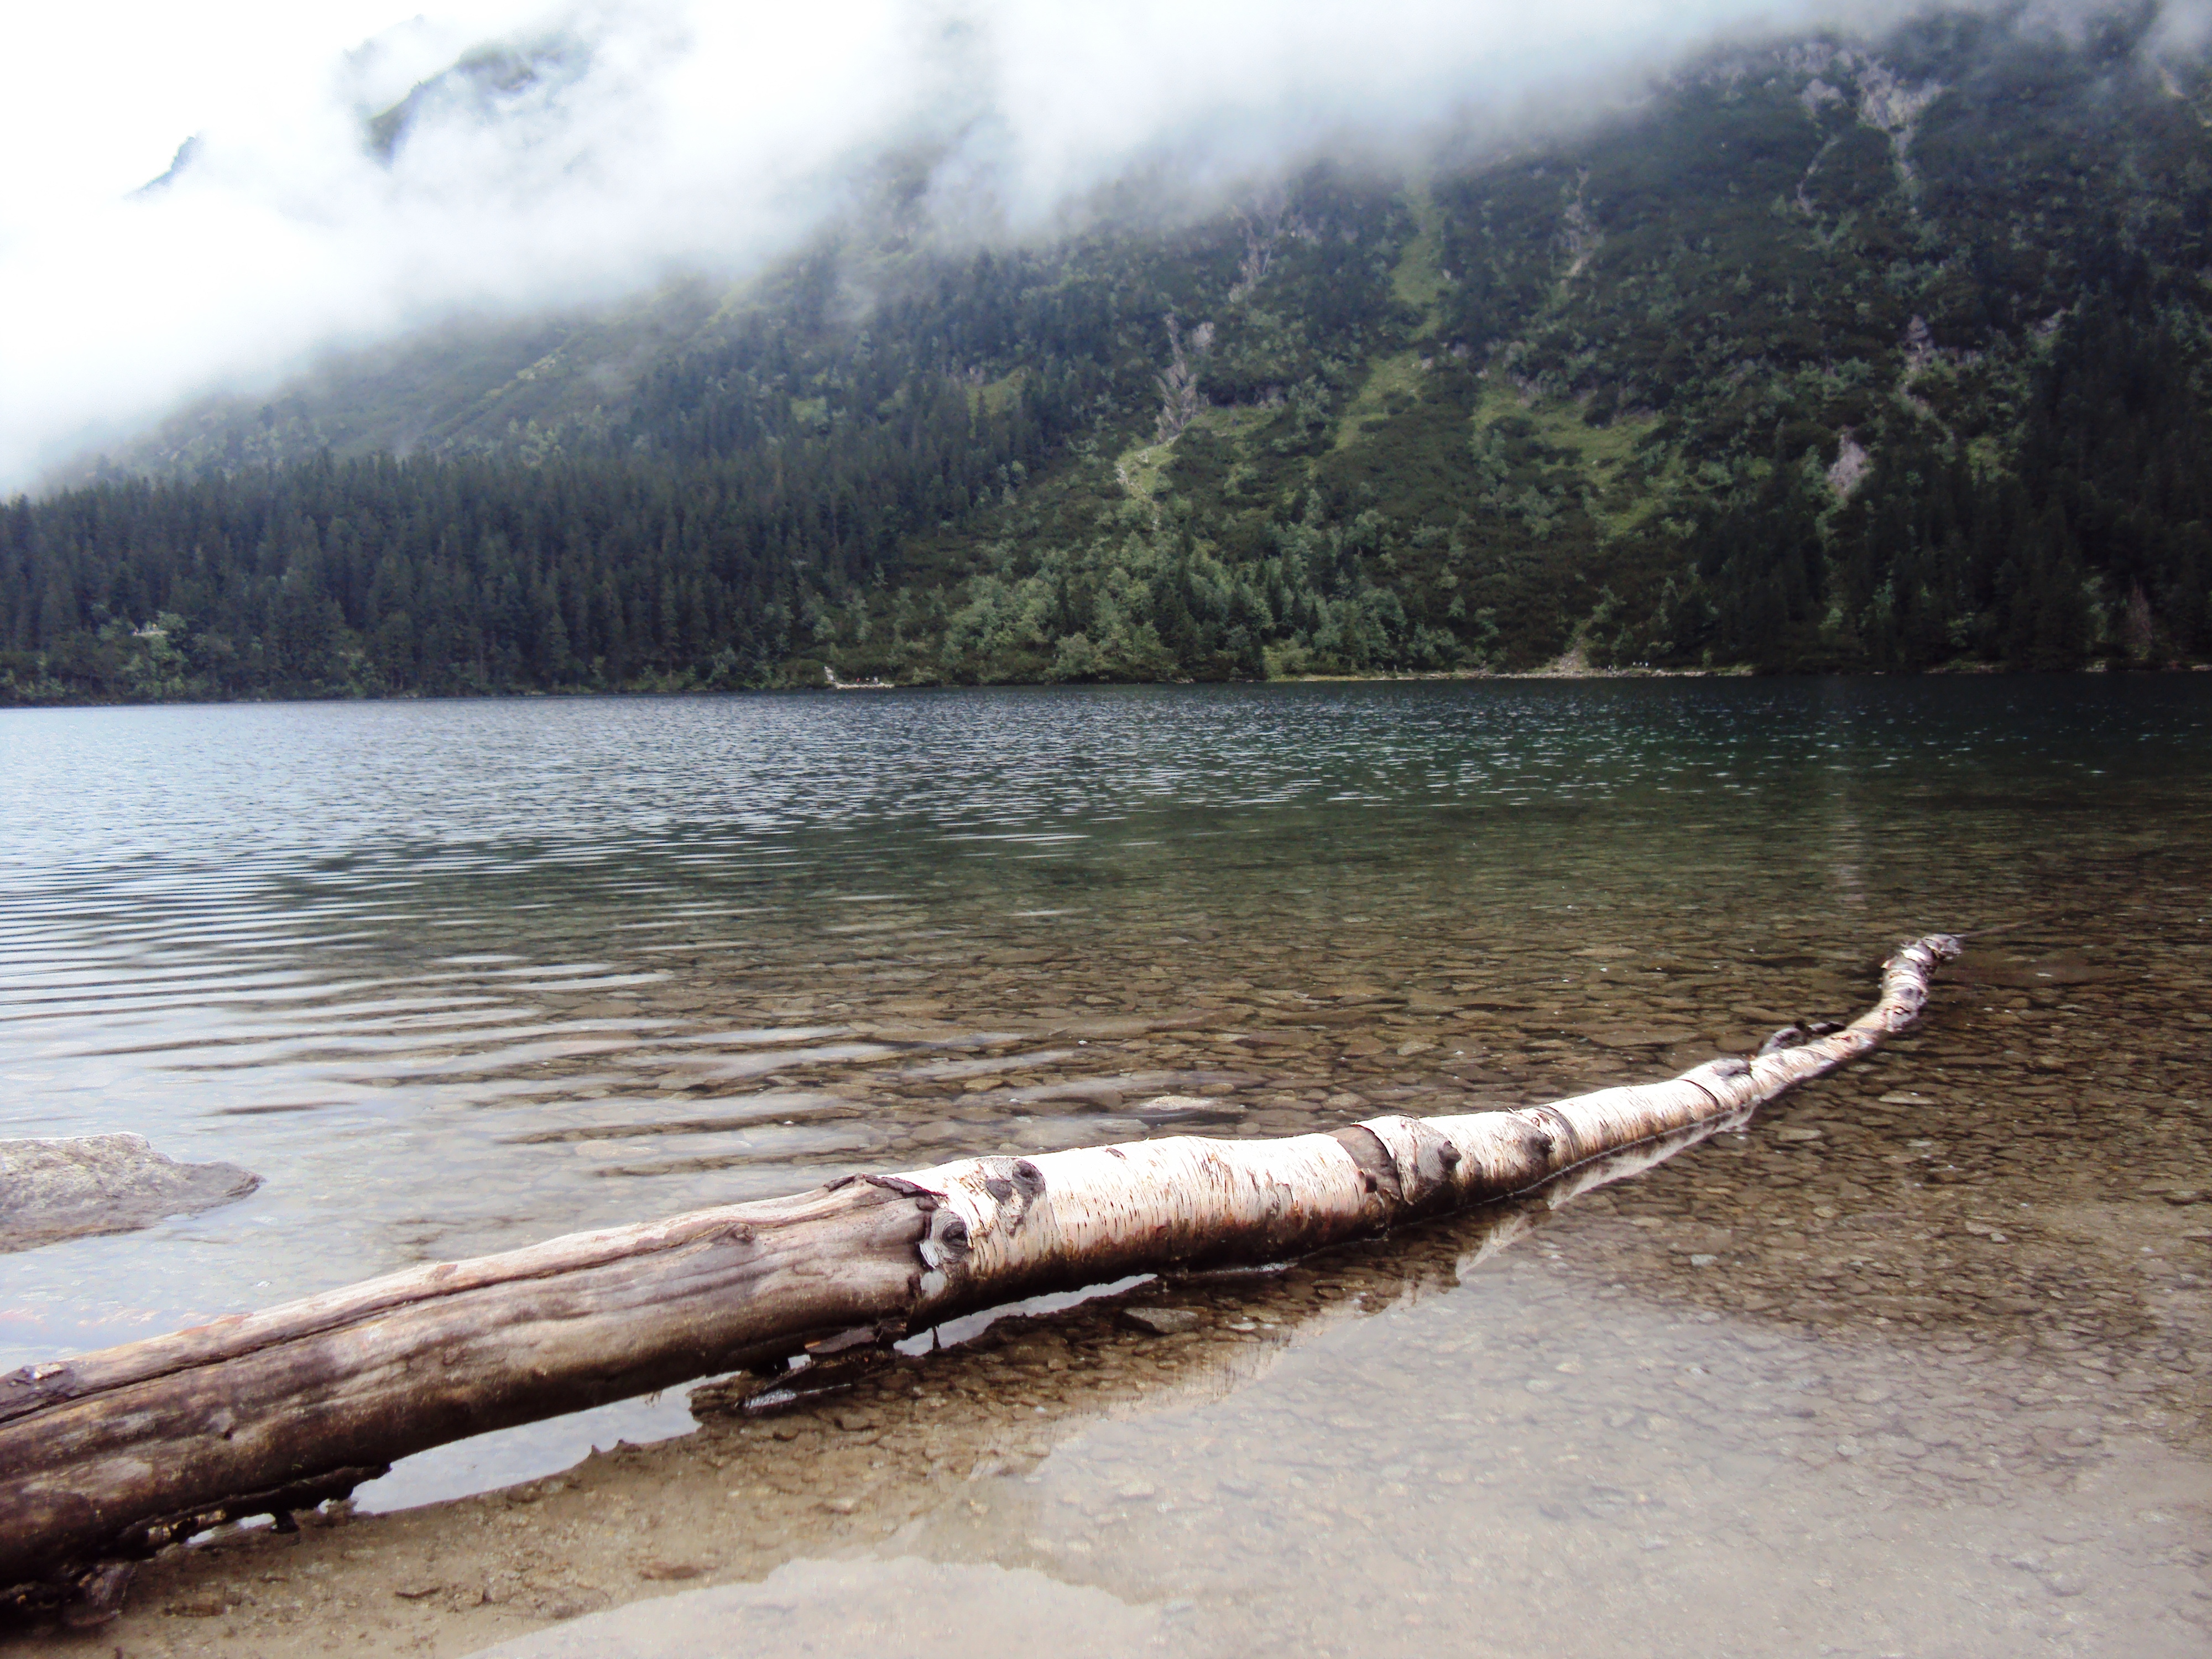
1833 354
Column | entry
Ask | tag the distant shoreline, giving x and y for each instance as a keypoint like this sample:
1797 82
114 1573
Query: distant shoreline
1586 671
1461 676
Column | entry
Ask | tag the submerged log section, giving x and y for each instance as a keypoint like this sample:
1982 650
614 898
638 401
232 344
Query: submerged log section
109 1456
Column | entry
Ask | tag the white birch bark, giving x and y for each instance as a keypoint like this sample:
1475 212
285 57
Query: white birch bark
1007 1224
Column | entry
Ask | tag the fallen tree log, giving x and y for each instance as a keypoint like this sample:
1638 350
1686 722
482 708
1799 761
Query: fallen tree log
107 1457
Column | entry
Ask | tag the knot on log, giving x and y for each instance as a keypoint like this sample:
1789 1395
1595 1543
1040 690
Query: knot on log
1014 1183
1562 1146
945 1240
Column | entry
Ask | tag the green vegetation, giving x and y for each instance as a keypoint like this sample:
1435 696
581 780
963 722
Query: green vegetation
1832 357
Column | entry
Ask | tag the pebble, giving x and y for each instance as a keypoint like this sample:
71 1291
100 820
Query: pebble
1164 1322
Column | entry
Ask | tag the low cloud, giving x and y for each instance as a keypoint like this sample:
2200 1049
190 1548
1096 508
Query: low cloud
604 146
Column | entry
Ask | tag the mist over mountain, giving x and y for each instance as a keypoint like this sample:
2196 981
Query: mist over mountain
507 158
1832 349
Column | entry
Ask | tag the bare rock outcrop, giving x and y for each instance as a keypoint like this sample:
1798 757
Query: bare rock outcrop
1852 464
1180 397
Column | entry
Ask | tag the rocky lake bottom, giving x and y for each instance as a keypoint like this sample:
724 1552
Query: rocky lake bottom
1916 1361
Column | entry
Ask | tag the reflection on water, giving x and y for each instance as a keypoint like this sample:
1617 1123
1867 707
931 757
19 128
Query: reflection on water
456 976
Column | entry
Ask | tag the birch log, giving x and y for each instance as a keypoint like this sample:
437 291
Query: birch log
107 1457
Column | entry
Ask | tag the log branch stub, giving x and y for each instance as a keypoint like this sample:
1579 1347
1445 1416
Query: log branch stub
109 1455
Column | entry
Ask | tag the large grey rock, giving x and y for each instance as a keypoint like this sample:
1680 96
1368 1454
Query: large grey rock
55 1189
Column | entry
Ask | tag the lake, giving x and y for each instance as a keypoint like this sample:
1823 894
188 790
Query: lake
1918 1363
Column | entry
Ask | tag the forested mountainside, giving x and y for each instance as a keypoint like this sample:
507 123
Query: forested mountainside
1831 354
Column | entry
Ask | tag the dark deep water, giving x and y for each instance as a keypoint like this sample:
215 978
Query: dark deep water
455 976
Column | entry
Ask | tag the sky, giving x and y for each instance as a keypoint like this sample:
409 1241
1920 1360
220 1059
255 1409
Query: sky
694 134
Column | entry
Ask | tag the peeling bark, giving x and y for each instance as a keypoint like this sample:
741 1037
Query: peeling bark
109 1456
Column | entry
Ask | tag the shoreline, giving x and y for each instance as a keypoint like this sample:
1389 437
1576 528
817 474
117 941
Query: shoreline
1554 670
